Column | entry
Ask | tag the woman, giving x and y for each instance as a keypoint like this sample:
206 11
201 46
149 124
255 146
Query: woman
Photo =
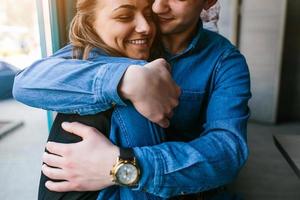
104 29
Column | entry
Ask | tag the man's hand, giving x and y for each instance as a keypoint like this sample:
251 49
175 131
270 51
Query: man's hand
85 166
152 91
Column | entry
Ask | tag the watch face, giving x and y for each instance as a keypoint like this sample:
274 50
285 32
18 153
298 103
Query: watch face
127 174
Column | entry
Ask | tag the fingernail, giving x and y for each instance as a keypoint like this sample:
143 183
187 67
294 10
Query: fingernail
65 124
47 184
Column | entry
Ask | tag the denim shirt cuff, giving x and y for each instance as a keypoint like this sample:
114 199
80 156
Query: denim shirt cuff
151 167
106 85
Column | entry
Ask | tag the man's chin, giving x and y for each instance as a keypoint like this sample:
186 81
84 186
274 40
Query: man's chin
166 30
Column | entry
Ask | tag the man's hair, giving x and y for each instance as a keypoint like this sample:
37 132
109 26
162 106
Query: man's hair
82 34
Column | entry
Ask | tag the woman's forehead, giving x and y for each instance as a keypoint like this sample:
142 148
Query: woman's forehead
114 4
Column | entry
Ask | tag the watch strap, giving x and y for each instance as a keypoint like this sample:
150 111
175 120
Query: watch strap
126 154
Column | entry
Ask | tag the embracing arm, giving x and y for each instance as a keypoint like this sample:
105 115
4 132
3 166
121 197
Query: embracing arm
67 85
170 168
214 158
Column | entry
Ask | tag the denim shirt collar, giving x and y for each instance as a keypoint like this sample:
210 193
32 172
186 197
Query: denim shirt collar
95 52
192 46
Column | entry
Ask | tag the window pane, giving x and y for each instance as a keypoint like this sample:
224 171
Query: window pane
19 32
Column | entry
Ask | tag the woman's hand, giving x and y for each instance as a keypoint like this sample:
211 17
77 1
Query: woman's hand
69 162
152 91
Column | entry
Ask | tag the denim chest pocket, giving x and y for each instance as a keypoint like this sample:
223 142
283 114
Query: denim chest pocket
188 113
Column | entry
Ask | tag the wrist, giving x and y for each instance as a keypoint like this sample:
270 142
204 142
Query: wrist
128 82
114 158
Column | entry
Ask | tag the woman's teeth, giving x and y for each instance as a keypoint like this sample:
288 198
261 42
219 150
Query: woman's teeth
138 42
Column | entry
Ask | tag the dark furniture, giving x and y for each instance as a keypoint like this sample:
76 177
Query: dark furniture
289 146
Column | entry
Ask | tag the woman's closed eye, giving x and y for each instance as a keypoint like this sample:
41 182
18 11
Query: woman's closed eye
124 18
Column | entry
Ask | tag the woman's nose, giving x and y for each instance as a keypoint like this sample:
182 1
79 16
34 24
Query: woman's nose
143 25
160 6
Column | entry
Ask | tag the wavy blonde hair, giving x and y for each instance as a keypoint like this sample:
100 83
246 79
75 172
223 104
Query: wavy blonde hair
82 35
84 38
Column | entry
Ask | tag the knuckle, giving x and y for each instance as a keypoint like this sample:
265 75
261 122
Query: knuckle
161 60
90 129
163 63
76 186
165 124
160 117
68 164
50 173
71 177
66 151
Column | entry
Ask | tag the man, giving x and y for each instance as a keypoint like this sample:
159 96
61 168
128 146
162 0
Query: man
210 122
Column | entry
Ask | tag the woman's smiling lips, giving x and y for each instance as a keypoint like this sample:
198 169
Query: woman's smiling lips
139 42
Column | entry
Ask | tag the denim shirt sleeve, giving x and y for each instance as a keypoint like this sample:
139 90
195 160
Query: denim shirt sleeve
216 156
67 85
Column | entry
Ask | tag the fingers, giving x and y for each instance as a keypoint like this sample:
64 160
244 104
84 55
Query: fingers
53 173
160 62
52 160
59 149
167 66
77 128
165 123
62 186
170 115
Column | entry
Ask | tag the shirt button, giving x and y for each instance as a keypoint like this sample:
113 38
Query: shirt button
113 104
182 193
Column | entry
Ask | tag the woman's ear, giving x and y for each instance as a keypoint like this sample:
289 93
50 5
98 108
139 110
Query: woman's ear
209 3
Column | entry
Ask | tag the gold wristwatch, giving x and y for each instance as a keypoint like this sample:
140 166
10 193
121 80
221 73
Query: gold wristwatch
126 171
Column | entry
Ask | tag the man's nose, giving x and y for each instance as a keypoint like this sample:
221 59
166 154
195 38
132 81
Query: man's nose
160 6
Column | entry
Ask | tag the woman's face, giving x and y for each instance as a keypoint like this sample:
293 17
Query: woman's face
126 25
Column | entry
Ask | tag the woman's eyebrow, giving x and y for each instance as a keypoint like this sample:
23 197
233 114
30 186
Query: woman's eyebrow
125 6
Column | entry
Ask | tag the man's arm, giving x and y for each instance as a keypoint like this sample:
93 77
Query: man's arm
67 85
213 159
175 168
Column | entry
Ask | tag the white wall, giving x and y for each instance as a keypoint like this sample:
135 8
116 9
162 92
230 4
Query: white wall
261 41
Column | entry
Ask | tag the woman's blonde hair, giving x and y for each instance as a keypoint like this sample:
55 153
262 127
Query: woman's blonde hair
84 38
82 35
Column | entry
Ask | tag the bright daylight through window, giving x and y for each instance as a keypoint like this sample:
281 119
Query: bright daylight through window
19 33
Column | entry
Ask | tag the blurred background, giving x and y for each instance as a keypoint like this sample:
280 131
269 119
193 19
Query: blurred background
266 32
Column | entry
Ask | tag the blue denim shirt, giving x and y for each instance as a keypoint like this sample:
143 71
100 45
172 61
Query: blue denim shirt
207 137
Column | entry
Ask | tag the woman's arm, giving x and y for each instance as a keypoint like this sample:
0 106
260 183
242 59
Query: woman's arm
68 85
